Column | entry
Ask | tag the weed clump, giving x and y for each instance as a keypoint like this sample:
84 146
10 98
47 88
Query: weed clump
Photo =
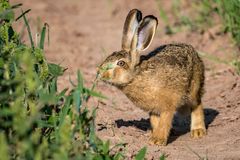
230 12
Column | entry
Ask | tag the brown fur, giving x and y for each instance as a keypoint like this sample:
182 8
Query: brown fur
167 80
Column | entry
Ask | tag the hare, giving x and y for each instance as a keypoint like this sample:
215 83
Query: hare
166 80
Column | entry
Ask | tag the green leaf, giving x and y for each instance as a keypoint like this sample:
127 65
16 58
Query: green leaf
162 157
43 123
98 157
4 147
6 112
118 156
1 62
80 81
43 33
105 148
63 92
65 110
94 94
55 69
53 86
141 154
77 98
28 28
45 97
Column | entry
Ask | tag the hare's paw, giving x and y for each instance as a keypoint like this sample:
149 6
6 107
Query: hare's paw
158 141
198 133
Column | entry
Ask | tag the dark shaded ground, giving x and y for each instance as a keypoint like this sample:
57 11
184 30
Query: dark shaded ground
84 32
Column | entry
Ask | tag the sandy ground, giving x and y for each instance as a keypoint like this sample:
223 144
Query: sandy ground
83 32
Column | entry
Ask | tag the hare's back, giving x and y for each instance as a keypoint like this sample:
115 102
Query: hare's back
171 55
171 65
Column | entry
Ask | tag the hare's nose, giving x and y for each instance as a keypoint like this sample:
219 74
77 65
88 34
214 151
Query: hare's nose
99 71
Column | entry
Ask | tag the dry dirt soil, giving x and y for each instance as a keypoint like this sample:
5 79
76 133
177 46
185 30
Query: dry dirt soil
83 32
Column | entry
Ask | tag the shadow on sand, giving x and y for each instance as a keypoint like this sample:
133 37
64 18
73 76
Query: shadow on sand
181 125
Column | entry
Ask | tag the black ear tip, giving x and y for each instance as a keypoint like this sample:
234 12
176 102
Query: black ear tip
134 10
151 17
137 12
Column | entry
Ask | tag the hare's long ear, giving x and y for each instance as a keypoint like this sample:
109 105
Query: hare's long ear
145 33
130 26
142 38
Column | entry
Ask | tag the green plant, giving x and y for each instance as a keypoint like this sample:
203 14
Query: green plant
198 15
168 28
141 154
229 10
36 120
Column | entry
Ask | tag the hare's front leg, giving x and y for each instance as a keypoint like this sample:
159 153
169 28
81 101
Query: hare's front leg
161 127
197 122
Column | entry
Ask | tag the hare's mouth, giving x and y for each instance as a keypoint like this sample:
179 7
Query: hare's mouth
119 85
104 79
108 82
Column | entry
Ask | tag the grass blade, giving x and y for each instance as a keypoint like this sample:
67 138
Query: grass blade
16 5
80 81
43 33
93 94
28 27
141 154
23 13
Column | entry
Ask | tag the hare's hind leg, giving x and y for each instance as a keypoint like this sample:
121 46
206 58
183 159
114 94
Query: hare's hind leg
198 129
161 127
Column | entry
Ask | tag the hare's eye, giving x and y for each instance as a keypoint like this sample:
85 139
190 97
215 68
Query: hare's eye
121 63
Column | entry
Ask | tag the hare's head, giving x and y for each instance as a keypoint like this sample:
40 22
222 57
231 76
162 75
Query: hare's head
119 67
